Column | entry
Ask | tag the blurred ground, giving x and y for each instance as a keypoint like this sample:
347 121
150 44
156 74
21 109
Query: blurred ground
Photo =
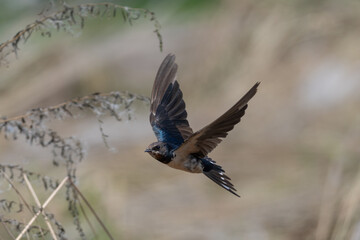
293 158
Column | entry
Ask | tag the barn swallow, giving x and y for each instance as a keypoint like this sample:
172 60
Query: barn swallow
178 146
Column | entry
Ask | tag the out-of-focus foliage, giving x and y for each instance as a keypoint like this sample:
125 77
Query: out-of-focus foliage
70 17
294 157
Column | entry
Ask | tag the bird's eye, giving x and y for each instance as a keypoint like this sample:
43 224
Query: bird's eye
156 148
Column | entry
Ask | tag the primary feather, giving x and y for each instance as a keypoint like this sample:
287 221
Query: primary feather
168 114
204 141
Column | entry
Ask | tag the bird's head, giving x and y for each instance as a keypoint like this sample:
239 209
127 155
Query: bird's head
158 150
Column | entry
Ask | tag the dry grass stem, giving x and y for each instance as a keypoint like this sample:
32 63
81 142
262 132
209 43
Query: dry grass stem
17 191
42 207
39 205
87 220
8 230
91 209
329 199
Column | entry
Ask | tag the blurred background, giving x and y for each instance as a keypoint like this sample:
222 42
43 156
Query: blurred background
294 158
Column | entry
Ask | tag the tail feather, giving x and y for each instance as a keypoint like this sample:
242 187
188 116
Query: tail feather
217 175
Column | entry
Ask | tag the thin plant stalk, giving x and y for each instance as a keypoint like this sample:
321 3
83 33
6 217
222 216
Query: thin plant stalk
31 189
43 206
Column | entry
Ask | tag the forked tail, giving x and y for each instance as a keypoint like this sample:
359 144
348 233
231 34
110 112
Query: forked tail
217 174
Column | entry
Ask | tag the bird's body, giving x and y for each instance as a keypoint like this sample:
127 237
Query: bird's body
172 158
178 146
186 162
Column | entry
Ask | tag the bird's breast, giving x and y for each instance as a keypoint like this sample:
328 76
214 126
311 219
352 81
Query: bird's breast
161 158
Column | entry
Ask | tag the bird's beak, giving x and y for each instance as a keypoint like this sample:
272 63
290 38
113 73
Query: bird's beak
147 150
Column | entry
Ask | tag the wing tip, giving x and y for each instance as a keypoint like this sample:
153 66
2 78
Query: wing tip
255 87
250 94
170 57
168 61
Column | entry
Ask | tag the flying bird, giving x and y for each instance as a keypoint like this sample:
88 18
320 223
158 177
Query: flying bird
178 146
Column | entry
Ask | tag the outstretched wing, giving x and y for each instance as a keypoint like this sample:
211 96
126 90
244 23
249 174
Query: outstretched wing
205 140
167 110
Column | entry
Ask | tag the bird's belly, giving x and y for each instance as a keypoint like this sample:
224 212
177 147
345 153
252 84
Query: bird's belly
187 164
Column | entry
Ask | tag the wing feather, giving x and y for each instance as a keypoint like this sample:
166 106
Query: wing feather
204 141
167 110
